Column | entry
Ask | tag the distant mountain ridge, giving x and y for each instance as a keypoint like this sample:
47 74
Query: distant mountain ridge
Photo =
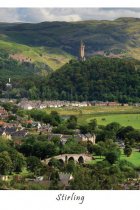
49 45
98 35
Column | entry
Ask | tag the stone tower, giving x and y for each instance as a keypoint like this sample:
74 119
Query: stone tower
82 51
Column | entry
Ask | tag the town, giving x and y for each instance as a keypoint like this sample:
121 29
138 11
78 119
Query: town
51 150
38 104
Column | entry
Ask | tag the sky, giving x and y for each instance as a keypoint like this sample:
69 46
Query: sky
35 15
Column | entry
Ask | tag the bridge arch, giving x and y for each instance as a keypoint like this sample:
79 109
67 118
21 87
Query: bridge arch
81 160
71 159
61 161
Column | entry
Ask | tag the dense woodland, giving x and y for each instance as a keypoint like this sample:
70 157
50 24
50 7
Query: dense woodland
98 78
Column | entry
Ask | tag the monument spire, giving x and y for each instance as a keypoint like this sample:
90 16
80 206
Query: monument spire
82 51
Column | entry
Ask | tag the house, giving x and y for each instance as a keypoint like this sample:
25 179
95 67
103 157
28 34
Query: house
19 134
101 103
78 137
86 137
39 178
125 104
64 138
12 132
4 177
44 128
113 104
5 134
2 123
3 113
26 104
137 104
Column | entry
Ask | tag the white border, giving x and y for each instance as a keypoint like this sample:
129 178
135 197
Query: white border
94 200
69 3
44 200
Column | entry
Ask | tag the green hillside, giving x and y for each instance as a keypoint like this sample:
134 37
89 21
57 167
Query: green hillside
97 78
53 44
40 56
119 37
28 50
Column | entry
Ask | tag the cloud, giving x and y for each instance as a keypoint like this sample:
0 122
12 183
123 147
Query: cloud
9 15
65 14
39 15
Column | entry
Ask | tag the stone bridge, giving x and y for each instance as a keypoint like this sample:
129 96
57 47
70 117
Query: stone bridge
79 158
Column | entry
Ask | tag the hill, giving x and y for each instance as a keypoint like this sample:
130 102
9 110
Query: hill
29 52
120 37
98 78
42 57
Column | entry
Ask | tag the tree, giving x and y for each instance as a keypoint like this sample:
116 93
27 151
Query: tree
92 125
12 118
70 167
135 135
55 118
127 150
123 131
84 129
73 146
97 149
33 92
114 126
90 147
26 149
18 160
45 149
72 122
55 163
6 165
112 157
54 185
34 165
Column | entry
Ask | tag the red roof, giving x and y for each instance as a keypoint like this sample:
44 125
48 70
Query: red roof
2 122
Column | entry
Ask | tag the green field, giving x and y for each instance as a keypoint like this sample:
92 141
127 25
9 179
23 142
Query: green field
126 116
99 110
134 159
123 119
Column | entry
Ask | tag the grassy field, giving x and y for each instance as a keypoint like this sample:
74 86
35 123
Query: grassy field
134 159
97 159
129 115
123 119
99 110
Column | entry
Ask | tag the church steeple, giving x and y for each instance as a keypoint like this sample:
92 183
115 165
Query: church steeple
9 85
82 51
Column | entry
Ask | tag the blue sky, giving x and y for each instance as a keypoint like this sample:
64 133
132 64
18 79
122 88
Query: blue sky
65 14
